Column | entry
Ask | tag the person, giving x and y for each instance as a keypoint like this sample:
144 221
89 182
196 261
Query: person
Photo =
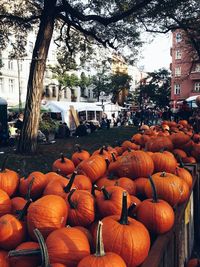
185 111
107 124
103 123
19 122
81 130
66 130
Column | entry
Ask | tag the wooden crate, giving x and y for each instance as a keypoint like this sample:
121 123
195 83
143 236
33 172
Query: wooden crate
174 248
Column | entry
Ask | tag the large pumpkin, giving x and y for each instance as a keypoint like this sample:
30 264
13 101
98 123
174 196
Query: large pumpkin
47 214
81 208
164 161
133 165
156 214
127 237
63 166
158 143
100 258
94 167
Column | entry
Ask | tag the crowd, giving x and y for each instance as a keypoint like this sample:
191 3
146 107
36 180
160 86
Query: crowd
149 116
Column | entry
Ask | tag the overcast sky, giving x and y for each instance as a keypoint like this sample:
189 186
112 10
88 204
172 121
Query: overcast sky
156 54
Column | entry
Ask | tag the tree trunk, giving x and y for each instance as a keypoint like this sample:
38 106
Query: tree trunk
28 136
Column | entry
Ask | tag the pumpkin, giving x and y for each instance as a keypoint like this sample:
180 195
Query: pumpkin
89 236
109 201
164 161
108 180
39 183
4 259
47 214
185 175
179 139
102 152
136 138
189 160
5 203
129 145
195 262
158 143
68 246
9 180
140 186
132 234
179 153
82 182
60 187
127 184
133 165
156 214
169 187
26 261
50 176
63 166
132 210
79 155
100 258
12 232
94 167
81 208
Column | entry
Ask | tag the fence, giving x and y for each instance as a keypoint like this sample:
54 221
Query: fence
174 248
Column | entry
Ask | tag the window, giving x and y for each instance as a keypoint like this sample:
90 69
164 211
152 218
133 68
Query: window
178 37
178 54
1 85
197 87
11 86
177 71
197 67
54 91
47 91
177 89
10 64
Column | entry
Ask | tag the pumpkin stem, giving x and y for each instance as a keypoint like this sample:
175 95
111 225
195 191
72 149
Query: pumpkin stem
72 204
106 194
23 212
99 244
181 164
28 195
132 207
101 150
124 213
43 248
107 162
3 166
113 157
116 183
78 148
94 188
163 174
62 158
68 187
154 194
42 251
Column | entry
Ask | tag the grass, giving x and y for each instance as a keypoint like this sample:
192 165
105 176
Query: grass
47 154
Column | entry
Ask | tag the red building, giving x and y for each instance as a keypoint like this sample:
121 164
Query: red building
185 68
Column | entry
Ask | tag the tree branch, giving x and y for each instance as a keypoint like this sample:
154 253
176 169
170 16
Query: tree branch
17 19
104 21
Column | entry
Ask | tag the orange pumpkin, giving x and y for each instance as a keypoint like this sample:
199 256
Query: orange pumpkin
94 167
195 262
4 259
109 201
156 214
132 234
12 232
9 180
63 166
26 261
133 165
5 203
47 214
127 184
100 258
79 155
38 184
164 161
158 143
81 208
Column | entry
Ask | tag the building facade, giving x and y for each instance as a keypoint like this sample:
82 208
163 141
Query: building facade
185 68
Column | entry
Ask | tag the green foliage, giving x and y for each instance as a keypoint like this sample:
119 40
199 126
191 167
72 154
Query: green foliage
155 88
48 126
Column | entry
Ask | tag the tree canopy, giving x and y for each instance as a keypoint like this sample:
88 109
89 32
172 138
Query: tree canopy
154 89
112 23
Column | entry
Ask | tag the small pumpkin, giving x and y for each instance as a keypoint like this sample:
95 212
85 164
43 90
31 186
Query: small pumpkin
5 203
79 155
63 166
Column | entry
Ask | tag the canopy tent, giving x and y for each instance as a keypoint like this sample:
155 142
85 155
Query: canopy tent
110 108
16 108
192 101
64 108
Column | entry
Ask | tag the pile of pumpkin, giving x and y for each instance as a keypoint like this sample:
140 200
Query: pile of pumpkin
100 209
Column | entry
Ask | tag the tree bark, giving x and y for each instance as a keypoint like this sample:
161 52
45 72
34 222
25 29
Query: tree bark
29 132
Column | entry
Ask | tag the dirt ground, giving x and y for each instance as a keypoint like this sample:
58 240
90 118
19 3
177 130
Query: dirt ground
47 153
